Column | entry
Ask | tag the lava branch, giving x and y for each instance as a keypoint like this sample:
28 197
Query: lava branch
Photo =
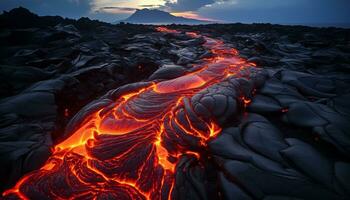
130 150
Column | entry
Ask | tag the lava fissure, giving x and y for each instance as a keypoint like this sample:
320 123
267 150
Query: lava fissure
130 148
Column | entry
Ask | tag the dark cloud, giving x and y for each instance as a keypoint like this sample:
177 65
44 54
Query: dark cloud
273 11
309 12
150 6
116 8
188 5
66 8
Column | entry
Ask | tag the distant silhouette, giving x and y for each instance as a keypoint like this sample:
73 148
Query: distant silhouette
153 16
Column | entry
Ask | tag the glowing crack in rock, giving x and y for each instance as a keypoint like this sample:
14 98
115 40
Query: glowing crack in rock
129 149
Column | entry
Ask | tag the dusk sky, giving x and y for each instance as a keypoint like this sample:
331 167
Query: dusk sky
246 11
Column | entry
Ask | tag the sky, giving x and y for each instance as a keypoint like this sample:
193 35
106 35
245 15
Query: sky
245 11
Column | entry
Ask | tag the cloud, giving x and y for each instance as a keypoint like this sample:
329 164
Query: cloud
192 15
277 11
187 5
273 11
150 6
116 9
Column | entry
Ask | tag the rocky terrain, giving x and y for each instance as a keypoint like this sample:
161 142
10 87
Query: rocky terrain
281 117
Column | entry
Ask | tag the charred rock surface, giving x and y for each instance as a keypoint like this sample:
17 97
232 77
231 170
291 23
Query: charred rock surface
91 110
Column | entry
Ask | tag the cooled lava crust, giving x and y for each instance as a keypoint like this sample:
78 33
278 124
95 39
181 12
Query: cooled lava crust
159 139
129 147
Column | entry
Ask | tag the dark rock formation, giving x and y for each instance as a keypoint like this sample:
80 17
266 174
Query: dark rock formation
284 125
154 16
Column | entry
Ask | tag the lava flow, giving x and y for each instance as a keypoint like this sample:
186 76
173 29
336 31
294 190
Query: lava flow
130 148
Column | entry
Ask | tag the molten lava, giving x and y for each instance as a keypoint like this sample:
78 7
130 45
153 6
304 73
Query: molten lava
130 150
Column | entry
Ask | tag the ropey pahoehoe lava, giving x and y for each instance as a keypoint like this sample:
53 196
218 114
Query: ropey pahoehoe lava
130 146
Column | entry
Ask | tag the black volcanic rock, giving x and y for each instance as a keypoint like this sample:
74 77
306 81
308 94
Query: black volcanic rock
18 17
49 68
153 16
291 142
22 18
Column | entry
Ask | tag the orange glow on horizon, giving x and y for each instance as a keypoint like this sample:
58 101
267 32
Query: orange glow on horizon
192 15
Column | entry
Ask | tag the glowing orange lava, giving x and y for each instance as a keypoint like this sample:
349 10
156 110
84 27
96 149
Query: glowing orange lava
129 151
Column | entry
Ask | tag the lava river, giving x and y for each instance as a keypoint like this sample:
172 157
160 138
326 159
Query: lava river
129 148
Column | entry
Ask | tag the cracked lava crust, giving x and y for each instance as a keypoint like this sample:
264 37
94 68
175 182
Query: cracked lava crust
128 148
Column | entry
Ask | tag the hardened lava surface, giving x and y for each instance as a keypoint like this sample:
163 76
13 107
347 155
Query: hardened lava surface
129 147
177 112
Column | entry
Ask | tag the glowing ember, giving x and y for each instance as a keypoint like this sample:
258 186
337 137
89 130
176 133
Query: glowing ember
246 101
130 151
166 30
284 110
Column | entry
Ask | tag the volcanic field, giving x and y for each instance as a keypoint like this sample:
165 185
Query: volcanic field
91 110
